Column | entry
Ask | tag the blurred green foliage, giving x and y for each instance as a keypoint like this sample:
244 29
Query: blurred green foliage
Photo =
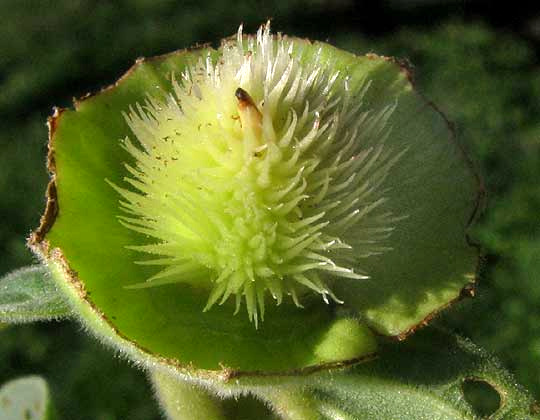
486 81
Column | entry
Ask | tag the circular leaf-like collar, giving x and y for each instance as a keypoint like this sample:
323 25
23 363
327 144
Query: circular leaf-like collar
421 262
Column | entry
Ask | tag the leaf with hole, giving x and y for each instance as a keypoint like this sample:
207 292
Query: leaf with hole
433 375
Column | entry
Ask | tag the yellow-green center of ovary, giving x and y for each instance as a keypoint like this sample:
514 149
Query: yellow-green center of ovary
252 177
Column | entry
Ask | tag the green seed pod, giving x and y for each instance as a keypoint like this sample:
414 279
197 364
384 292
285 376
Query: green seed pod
309 186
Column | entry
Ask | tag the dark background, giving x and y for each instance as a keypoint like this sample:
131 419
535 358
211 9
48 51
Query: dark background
477 60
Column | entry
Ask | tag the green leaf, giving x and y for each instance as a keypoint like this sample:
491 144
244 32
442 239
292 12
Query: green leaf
30 294
431 376
26 398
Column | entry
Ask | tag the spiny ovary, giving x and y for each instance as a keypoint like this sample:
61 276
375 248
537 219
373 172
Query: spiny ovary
252 179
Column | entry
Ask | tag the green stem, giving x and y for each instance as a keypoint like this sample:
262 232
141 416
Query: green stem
182 400
290 403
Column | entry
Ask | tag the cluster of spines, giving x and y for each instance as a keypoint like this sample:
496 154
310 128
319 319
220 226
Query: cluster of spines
280 204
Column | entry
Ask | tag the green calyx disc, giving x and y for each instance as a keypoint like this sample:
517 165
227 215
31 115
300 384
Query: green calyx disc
217 209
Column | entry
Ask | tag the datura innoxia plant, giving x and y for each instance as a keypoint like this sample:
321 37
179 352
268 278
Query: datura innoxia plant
259 208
